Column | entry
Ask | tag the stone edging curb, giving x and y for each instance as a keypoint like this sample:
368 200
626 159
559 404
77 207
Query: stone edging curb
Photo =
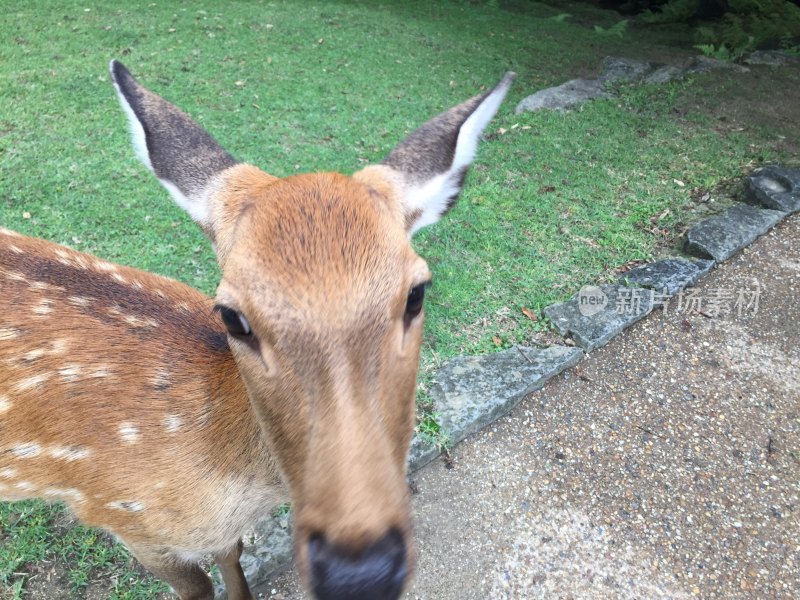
470 392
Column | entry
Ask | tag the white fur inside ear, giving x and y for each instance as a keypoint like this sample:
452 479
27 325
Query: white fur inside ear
430 199
197 209
471 130
137 131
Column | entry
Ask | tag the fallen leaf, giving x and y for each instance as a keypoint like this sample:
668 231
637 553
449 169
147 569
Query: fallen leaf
678 182
497 341
530 314
26 215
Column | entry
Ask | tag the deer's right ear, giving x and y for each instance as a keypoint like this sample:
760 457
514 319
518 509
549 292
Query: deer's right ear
426 170
181 154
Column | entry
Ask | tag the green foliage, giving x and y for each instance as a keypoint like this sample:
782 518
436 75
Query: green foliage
744 26
673 11
618 29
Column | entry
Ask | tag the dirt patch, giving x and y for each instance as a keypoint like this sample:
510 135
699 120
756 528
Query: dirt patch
765 99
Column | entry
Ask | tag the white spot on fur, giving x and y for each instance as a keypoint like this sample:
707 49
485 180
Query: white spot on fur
15 276
78 301
5 403
128 433
138 322
33 354
70 373
25 486
69 453
26 450
173 423
8 232
7 473
71 259
31 382
64 493
128 505
8 333
42 286
43 308
58 346
161 379
16 249
102 265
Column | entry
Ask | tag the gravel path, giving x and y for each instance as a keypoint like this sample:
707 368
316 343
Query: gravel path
666 466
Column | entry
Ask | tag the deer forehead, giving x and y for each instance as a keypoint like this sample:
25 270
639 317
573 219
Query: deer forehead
315 242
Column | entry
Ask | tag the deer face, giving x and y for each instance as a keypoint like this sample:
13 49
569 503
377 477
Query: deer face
322 296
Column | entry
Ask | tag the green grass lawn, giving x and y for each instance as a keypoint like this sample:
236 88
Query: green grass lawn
555 200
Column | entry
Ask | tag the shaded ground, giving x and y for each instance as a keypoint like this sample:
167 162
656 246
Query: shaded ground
665 466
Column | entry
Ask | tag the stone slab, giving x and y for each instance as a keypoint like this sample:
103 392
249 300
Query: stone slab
615 69
268 550
722 236
563 96
668 276
775 187
598 313
421 453
470 392
664 74
774 58
706 64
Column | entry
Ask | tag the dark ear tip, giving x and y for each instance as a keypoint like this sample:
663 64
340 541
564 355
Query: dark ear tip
118 71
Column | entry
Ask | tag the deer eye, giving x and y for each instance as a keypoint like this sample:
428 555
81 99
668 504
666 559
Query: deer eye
414 303
234 321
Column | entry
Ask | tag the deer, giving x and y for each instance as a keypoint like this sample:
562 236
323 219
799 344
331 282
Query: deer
175 421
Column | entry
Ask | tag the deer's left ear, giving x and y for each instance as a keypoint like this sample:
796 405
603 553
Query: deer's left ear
427 169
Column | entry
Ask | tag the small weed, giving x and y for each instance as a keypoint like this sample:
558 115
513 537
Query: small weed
282 510
431 432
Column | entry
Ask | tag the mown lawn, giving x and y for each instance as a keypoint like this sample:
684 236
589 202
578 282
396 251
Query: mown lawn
555 200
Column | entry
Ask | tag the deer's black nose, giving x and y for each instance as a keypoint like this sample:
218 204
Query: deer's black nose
376 572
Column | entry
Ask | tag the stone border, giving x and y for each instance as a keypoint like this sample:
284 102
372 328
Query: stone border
470 392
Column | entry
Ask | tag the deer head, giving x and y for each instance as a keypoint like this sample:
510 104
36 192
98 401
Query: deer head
322 297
